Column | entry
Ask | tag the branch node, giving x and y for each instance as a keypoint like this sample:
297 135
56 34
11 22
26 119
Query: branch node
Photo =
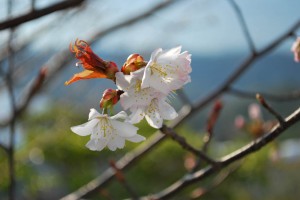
270 109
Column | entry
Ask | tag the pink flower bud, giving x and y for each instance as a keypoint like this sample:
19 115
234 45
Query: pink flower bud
109 98
133 63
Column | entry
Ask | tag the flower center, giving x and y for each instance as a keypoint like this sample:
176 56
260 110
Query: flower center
106 127
158 69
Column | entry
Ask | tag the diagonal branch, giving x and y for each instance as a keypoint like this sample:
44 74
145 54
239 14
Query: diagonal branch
34 14
243 25
269 108
181 140
228 159
280 97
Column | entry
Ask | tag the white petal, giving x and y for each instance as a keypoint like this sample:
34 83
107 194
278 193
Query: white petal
136 116
120 115
124 129
94 113
86 128
147 77
155 122
152 115
121 81
160 84
96 144
136 138
166 111
116 142
126 101
155 54
138 74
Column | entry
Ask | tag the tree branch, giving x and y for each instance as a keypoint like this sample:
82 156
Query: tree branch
269 108
228 159
280 97
34 14
243 25
180 140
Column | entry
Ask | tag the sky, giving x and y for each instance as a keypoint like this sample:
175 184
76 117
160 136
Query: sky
203 27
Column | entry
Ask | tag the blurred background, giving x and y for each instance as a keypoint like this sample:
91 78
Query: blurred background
51 161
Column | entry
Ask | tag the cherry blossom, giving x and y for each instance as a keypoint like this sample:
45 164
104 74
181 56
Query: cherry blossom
107 131
167 70
143 102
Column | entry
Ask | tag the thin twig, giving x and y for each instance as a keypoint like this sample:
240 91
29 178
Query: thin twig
34 14
209 130
181 140
228 159
283 97
269 108
211 124
243 25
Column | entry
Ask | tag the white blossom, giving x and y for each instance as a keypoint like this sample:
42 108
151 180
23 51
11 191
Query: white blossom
143 102
167 70
107 131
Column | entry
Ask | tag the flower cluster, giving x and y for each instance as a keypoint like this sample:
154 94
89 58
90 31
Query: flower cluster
143 90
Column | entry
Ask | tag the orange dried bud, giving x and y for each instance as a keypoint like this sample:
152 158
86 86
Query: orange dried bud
94 66
109 98
133 63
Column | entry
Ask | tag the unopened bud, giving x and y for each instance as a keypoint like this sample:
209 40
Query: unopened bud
109 98
133 63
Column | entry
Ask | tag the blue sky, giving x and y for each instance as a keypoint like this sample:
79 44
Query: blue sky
200 26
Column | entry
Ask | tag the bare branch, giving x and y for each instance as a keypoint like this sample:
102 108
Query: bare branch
181 140
269 108
228 159
243 25
211 123
34 14
282 97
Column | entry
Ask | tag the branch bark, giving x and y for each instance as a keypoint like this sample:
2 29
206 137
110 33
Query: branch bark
34 14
